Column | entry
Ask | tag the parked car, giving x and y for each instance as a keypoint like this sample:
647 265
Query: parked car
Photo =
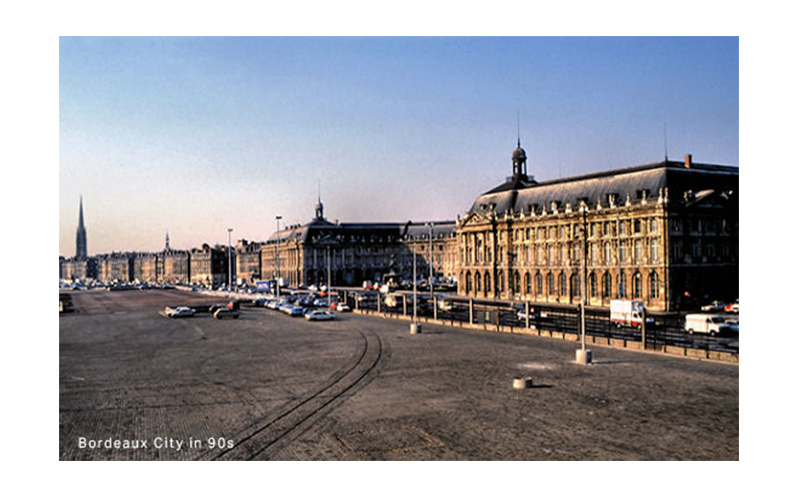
292 310
342 307
180 312
320 315
225 313
733 308
715 306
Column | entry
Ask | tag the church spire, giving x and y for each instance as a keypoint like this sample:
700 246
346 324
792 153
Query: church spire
80 237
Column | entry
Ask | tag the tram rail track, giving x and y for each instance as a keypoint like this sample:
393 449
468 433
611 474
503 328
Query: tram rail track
280 427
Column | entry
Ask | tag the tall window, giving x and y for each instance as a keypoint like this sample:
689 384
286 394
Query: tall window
637 286
562 284
606 285
527 283
538 280
487 283
654 250
637 251
551 285
654 286
622 285
501 285
593 285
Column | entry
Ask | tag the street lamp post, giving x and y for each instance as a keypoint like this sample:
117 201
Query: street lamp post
582 356
414 325
430 258
278 256
230 230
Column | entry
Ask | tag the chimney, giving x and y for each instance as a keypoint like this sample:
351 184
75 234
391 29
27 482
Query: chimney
688 161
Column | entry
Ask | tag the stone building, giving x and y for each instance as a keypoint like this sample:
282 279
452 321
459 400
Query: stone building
175 267
78 269
145 267
665 233
356 252
248 262
434 243
115 267
208 266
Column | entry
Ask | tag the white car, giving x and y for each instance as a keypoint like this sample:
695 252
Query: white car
320 315
342 307
180 312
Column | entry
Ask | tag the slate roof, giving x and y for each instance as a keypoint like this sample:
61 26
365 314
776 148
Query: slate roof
518 195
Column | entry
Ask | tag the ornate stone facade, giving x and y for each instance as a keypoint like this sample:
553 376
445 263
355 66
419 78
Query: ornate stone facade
665 233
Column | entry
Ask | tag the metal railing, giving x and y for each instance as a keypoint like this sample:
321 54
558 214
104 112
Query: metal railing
665 330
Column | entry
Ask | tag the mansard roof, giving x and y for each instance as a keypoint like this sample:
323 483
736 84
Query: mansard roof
626 183
322 230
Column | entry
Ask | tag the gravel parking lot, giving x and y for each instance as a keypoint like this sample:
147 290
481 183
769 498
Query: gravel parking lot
135 385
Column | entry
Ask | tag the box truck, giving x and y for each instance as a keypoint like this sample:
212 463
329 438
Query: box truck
629 313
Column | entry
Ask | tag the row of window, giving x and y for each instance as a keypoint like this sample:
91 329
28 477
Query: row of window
609 286
609 253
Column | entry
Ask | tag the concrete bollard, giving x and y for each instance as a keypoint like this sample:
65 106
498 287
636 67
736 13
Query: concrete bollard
583 356
416 328
523 383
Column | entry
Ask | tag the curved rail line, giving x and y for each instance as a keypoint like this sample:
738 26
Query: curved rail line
281 428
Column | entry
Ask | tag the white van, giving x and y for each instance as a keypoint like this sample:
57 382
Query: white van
711 324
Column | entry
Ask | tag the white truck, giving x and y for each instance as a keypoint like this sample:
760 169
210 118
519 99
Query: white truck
629 313
711 324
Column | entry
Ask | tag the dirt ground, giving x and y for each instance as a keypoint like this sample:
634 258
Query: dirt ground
135 385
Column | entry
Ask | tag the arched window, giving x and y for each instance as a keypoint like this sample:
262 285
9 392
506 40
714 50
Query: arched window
517 286
562 284
527 283
575 286
551 285
501 282
622 286
538 279
606 285
654 286
637 286
487 282
593 285
469 282
477 281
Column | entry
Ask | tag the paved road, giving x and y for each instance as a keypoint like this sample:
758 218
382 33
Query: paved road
270 387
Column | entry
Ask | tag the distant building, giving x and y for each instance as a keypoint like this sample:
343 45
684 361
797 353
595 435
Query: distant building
175 267
665 233
115 267
208 266
355 252
248 262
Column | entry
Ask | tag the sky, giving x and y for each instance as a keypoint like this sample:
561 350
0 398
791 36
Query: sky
192 136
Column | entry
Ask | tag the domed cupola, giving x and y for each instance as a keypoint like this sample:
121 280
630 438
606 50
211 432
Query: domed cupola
519 160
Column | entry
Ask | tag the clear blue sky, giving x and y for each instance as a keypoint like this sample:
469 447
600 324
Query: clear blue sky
195 135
